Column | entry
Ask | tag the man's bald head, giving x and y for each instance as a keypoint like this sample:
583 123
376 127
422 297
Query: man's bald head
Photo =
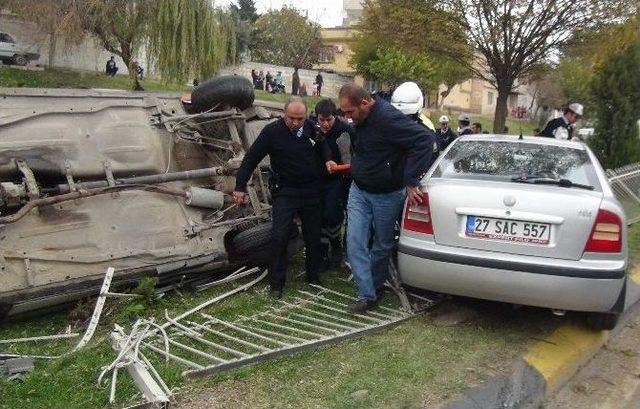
355 102
295 112
295 100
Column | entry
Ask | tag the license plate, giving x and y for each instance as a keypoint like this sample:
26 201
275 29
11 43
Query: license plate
508 230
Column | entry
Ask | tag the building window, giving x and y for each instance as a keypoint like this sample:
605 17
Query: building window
327 55
489 98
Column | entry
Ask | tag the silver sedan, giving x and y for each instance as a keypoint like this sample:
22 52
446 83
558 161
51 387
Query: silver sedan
530 221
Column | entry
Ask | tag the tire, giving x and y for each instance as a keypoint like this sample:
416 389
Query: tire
253 245
602 321
230 90
20 60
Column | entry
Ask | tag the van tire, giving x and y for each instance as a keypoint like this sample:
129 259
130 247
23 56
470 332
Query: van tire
602 320
227 90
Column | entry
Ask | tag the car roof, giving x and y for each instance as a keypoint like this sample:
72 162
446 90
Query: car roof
539 140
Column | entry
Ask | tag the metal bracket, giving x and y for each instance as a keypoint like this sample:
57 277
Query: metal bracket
27 267
107 170
30 180
255 201
68 173
396 286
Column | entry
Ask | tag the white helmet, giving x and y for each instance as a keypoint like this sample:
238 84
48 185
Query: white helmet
576 108
464 117
444 119
407 98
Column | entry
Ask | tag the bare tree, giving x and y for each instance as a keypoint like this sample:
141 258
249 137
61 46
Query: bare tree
513 36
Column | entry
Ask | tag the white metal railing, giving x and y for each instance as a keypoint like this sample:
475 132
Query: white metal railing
625 182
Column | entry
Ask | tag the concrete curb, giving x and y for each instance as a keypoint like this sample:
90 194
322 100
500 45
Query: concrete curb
545 367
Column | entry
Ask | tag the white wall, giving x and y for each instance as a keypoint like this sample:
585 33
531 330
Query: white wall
332 82
88 55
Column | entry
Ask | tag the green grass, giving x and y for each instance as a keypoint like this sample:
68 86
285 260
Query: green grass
12 77
409 365
57 78
415 364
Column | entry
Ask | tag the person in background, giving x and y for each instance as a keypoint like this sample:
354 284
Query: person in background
295 154
562 128
269 82
463 125
254 78
261 80
303 90
111 67
408 99
139 70
319 83
278 81
335 188
390 154
444 133
476 127
295 82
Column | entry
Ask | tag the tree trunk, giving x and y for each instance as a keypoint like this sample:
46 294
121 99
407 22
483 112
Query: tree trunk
126 56
53 41
500 116
445 94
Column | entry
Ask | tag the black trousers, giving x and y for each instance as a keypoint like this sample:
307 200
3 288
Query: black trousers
285 208
334 194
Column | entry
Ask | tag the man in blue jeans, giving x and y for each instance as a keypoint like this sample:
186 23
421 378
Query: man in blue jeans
390 153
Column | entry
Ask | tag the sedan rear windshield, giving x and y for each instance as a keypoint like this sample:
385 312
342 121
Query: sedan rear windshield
506 161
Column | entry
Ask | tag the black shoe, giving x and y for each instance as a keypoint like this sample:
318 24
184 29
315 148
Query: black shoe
380 293
362 306
275 294
314 280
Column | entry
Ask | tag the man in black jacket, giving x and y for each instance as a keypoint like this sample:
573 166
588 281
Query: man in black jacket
295 155
335 186
390 155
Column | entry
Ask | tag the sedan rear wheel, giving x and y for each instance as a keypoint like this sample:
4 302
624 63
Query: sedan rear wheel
602 320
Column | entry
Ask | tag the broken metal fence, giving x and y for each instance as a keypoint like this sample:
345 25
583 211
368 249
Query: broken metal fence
625 182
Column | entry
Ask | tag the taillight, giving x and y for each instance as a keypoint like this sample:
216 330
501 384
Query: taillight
606 236
418 218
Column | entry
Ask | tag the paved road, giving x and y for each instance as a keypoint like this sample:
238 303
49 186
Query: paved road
611 380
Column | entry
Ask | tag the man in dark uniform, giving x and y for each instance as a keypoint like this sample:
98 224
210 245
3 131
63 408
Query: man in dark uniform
562 128
463 125
445 134
111 68
319 83
390 154
296 160
295 81
335 188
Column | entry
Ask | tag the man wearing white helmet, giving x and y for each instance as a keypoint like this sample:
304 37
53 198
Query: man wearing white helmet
408 99
562 128
445 133
463 125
